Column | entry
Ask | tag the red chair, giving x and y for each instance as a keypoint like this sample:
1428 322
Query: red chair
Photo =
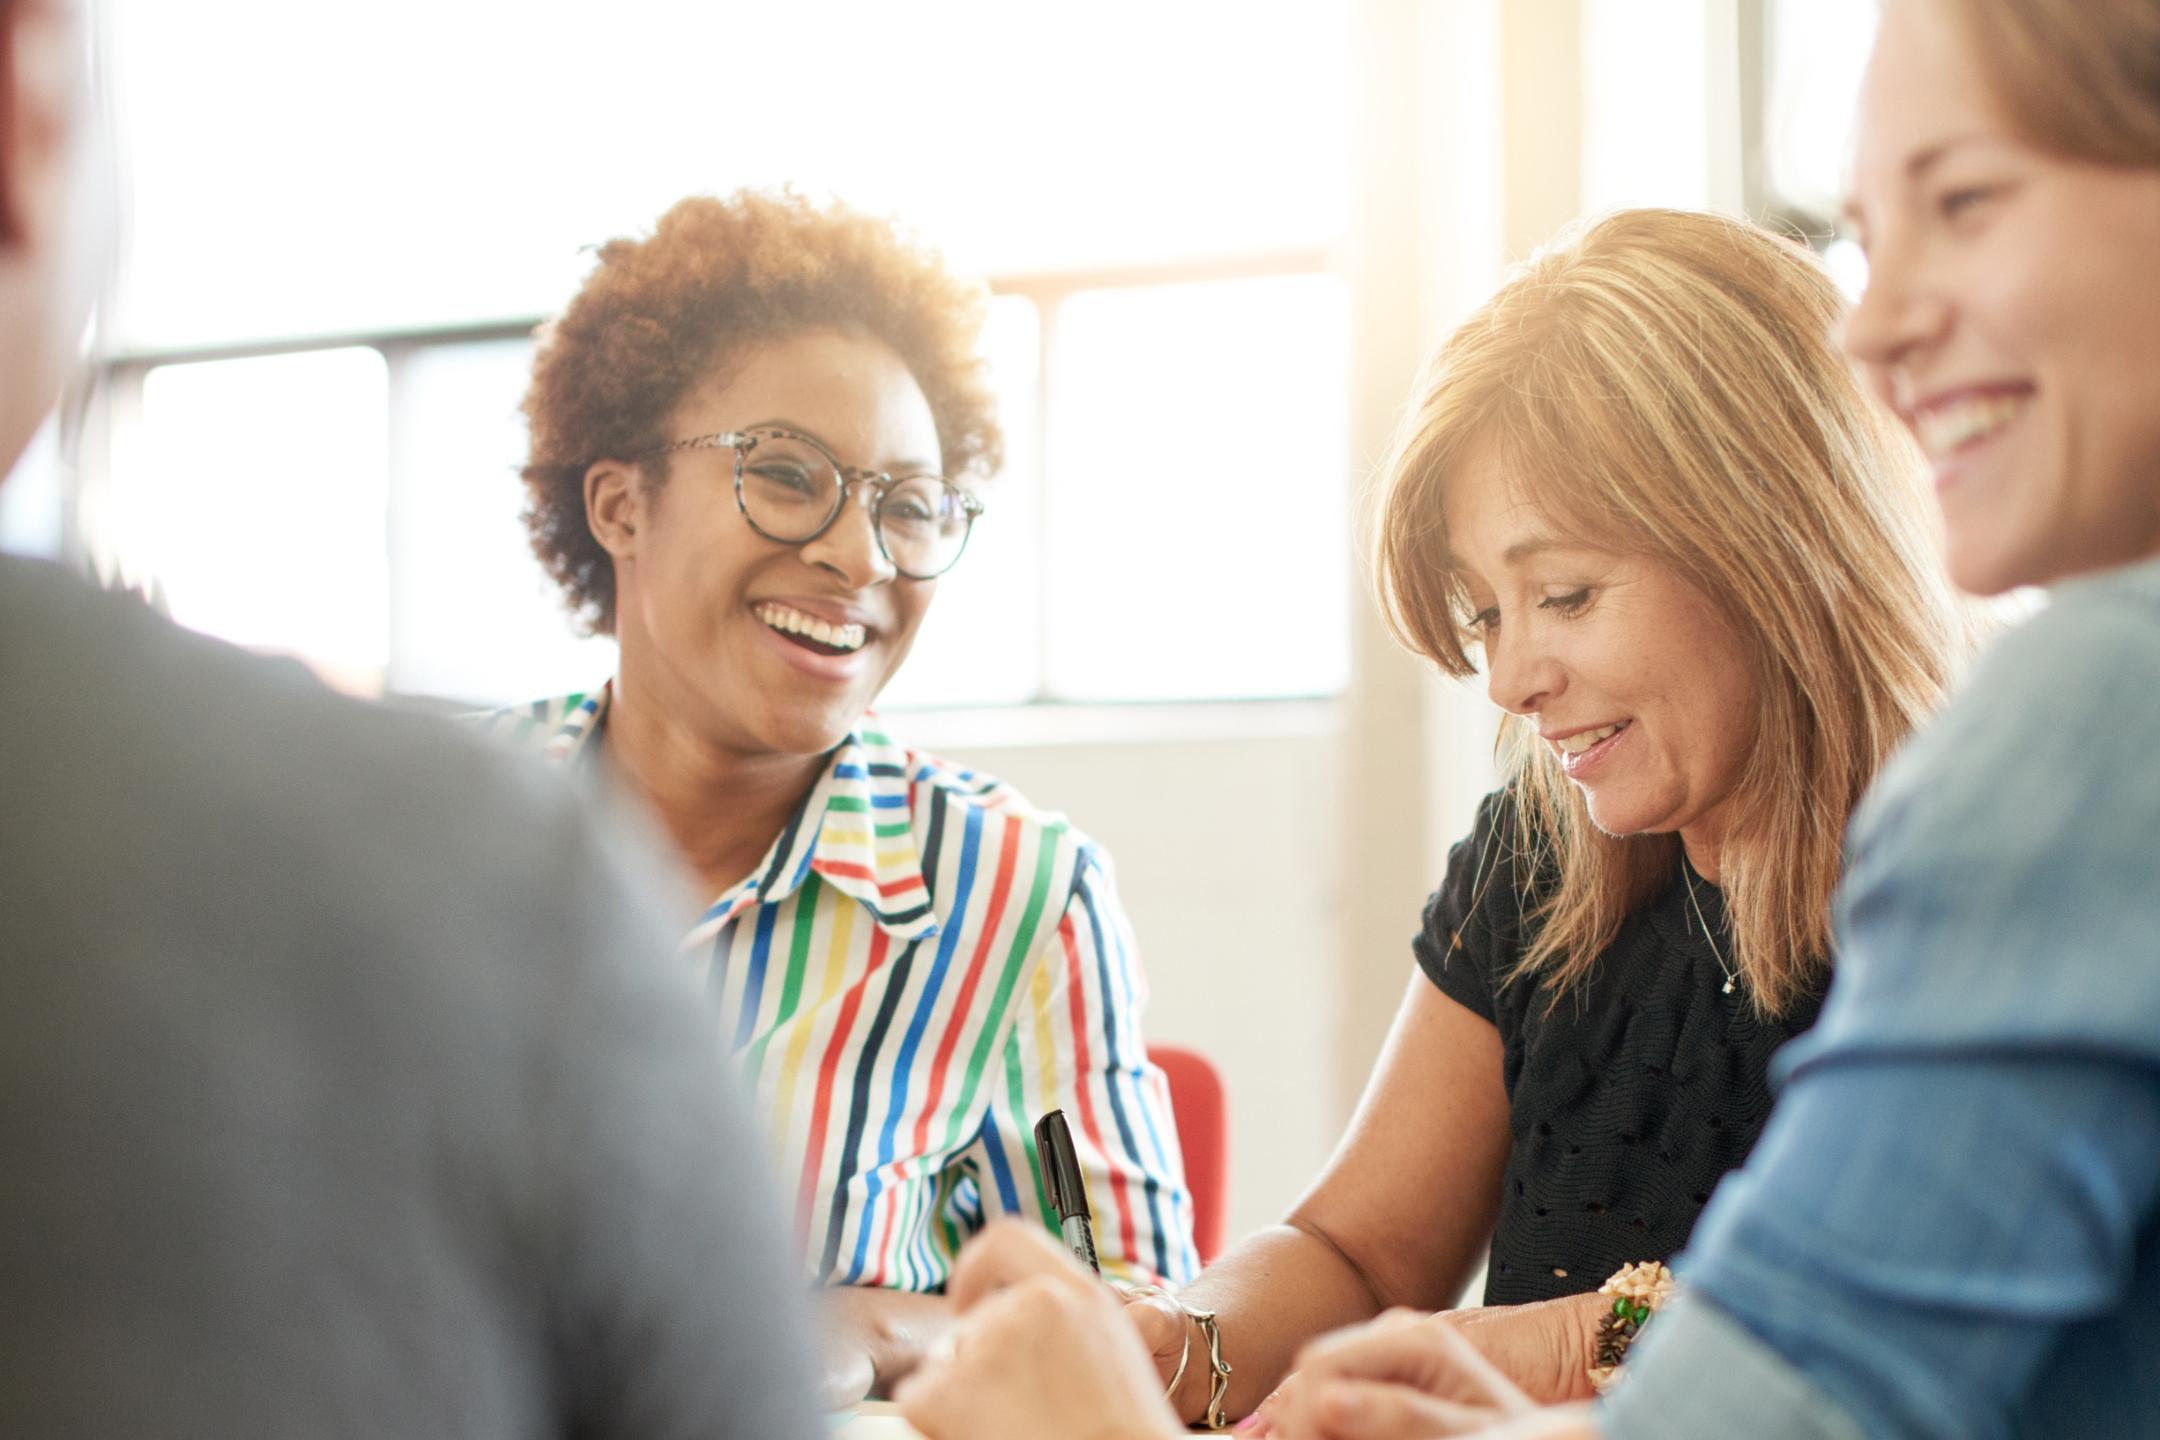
1198 1105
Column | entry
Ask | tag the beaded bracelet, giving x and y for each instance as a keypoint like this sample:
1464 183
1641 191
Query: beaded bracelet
1638 1291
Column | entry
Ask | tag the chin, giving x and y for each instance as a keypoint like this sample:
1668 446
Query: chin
1620 816
788 722
806 739
1980 569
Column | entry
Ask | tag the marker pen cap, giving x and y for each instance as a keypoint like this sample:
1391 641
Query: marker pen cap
1060 1166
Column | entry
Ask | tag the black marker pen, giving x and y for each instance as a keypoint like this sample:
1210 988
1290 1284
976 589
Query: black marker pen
1061 1181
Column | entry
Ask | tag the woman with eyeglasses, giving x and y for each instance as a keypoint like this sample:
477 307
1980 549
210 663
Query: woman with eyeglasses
756 436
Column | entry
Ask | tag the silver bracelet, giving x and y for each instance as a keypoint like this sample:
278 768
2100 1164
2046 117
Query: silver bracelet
1211 1330
1184 1358
1219 1380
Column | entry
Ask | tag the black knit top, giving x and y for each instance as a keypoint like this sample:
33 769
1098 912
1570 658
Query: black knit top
1628 1099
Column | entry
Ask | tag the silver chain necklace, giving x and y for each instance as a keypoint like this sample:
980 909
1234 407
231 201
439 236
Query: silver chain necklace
1732 977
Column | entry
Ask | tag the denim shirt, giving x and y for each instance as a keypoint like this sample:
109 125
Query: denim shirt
1951 1226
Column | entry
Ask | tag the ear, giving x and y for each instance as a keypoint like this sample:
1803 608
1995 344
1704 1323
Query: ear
12 230
34 111
617 507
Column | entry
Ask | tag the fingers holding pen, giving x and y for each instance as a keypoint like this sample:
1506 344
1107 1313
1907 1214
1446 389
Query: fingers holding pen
1037 1335
1007 1252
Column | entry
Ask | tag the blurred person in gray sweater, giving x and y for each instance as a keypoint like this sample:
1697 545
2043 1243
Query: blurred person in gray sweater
347 1085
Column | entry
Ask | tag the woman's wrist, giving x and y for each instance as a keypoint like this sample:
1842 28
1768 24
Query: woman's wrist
1193 1379
1588 1312
1188 1397
1633 1294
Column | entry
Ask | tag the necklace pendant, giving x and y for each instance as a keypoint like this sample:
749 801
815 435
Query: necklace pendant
1728 987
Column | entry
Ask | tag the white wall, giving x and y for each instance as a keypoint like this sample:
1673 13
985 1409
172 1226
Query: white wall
1229 864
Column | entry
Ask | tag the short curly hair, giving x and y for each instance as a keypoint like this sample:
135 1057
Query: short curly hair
659 315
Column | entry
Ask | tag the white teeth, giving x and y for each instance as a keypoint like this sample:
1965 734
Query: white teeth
840 637
1944 429
1577 743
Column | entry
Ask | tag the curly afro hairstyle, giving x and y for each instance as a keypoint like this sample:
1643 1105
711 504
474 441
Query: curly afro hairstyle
658 316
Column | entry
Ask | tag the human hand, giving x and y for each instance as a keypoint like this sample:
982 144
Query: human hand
1404 1375
871 1337
845 1371
1039 1348
1544 1349
1163 1330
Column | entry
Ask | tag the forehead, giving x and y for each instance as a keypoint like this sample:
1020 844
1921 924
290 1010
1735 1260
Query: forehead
853 392
1489 514
1923 89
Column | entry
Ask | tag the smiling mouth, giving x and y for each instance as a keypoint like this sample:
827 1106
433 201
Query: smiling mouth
819 637
1583 739
1946 429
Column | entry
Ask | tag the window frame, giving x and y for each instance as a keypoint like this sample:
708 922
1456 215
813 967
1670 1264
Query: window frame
112 396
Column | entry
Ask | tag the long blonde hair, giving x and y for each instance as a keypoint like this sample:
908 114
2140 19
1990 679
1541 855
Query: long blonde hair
1665 384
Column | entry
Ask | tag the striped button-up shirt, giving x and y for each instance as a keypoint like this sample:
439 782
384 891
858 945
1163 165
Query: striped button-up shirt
920 967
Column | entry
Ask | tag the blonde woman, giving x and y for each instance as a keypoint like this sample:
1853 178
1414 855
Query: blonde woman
1642 492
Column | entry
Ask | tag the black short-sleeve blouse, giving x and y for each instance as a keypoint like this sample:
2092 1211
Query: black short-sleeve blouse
1629 1098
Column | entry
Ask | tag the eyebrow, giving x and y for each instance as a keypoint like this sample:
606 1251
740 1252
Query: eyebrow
1523 550
902 469
1925 160
1918 164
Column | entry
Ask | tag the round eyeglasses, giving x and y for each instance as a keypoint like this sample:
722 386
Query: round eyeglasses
791 489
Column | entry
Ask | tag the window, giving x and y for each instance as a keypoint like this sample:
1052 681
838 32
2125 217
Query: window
1198 537
33 499
332 369
982 643
1817 51
472 616
1175 528
411 164
249 497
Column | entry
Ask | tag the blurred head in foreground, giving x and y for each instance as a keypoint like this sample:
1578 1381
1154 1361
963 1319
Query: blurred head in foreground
53 200
346 1078
2007 192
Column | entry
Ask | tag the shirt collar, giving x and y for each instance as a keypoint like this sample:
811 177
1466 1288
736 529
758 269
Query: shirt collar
580 722
855 829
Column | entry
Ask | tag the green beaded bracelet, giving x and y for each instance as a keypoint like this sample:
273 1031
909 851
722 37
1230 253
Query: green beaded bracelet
1637 1291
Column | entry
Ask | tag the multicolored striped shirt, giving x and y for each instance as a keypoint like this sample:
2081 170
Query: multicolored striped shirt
921 966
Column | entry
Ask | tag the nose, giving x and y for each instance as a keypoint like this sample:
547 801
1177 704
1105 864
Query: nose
848 549
1897 317
1521 677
